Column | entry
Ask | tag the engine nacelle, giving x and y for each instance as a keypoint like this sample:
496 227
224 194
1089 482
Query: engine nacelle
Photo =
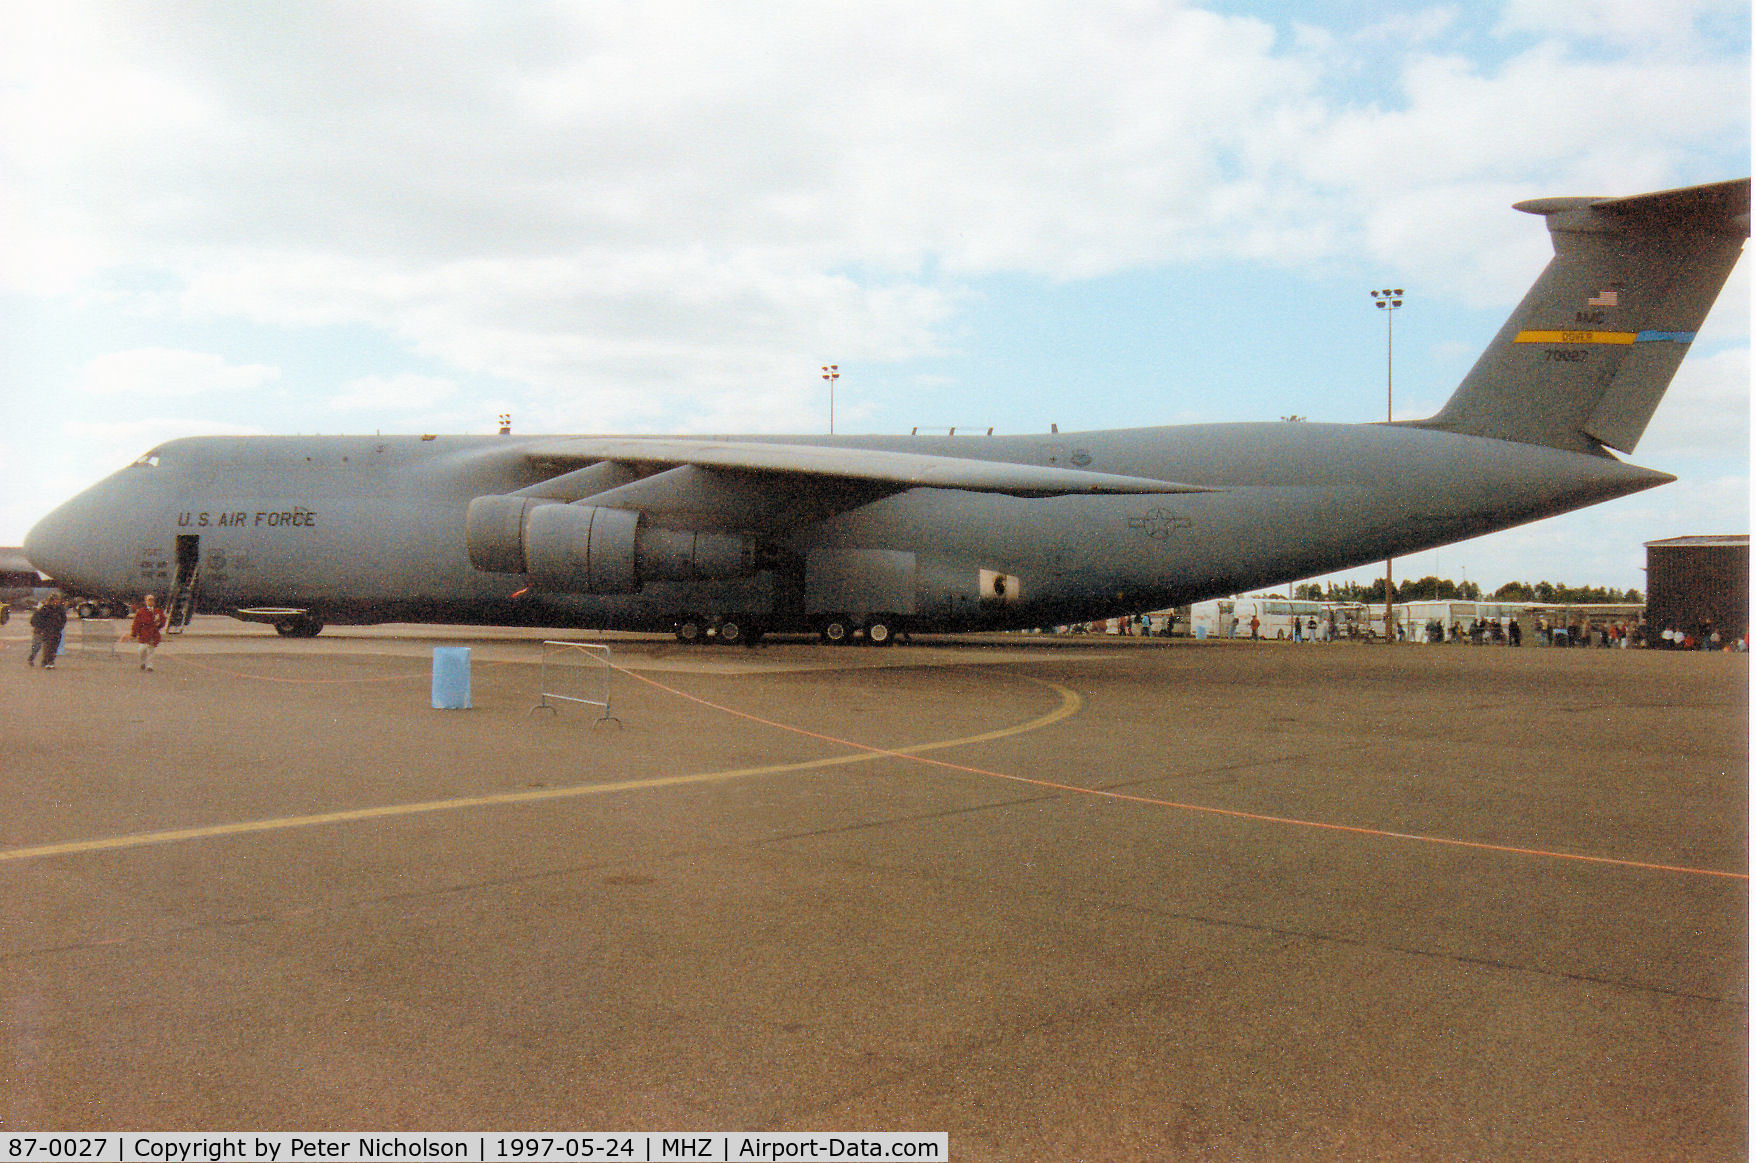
581 549
589 549
494 531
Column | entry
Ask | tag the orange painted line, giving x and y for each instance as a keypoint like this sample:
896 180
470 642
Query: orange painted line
1255 817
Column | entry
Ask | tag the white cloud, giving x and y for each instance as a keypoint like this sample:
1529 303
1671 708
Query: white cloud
1706 412
1472 140
1395 30
535 193
156 372
400 393
1640 24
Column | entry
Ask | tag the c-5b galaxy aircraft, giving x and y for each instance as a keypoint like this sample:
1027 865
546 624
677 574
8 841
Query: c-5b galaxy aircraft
863 537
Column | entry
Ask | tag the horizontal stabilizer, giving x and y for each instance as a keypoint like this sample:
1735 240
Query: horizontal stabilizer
1584 360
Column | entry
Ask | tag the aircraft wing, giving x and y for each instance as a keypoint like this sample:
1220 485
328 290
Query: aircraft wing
888 471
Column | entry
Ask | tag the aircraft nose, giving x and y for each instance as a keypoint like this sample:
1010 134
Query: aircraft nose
50 545
72 548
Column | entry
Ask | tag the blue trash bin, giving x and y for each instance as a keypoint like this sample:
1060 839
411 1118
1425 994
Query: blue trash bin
451 678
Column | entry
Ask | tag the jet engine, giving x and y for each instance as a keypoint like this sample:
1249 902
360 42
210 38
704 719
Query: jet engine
589 549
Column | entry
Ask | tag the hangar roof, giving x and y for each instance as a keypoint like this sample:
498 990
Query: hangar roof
1726 540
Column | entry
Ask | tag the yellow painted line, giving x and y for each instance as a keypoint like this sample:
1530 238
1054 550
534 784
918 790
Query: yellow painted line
1616 337
1070 704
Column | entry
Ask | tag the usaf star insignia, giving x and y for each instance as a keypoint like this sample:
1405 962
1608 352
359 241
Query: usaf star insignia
1159 523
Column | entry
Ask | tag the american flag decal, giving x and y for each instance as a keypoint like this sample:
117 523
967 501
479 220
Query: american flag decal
1602 299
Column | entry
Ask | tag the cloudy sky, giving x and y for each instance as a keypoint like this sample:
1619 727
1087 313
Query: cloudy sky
666 216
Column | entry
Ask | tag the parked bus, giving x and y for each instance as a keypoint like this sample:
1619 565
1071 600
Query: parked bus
1230 617
1419 619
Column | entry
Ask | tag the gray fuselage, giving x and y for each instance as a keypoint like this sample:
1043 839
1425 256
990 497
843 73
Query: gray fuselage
371 529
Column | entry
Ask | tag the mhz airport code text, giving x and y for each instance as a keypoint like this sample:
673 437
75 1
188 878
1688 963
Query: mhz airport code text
473 1147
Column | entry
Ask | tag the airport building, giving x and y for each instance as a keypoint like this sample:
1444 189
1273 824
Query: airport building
1694 581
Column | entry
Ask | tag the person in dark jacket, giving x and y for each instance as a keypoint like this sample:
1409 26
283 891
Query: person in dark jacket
47 624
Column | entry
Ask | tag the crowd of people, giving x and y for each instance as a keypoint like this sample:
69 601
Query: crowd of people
1624 634
48 624
1580 632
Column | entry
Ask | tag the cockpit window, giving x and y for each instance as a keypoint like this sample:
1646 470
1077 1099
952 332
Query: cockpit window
147 460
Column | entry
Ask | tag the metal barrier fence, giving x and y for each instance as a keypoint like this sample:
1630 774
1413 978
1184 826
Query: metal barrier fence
98 637
562 659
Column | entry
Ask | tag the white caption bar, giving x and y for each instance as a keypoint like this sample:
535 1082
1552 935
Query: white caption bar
473 1146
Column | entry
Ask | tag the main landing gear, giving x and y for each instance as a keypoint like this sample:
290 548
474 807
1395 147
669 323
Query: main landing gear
877 630
692 631
837 630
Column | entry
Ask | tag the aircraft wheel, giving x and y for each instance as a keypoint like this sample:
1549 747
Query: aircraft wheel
880 633
838 632
299 626
731 633
689 632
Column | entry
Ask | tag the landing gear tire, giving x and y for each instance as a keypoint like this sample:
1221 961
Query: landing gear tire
689 632
299 626
838 632
731 633
880 633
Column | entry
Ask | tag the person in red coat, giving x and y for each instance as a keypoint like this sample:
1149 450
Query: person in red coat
148 621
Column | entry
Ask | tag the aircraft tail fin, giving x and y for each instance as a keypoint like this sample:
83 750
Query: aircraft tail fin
1586 357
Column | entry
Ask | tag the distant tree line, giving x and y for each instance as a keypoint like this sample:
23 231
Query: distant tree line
1550 592
1438 589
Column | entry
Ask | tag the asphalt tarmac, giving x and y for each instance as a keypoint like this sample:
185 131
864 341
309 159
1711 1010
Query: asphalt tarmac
1064 899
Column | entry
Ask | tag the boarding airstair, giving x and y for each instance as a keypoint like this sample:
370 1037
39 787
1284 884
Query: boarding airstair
180 605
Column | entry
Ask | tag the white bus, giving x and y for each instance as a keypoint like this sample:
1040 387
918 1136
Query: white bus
1419 620
1230 617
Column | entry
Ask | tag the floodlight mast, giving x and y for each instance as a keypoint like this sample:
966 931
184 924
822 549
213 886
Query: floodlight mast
1390 302
831 372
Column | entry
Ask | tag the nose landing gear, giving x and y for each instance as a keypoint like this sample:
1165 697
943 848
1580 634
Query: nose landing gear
299 626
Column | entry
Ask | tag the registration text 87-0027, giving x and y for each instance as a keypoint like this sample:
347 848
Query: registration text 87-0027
32 1147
